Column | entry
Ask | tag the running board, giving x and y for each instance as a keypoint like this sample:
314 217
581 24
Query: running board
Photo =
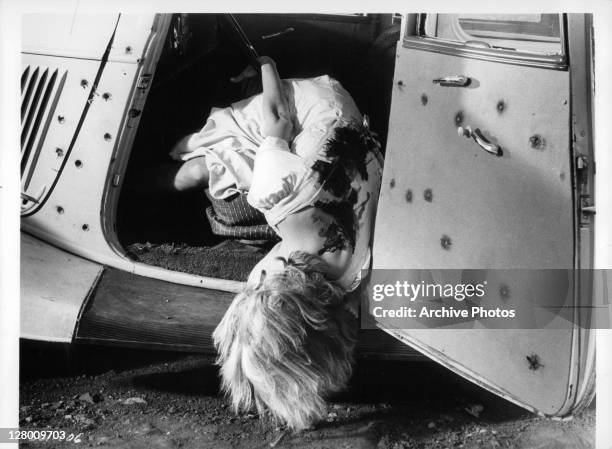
126 309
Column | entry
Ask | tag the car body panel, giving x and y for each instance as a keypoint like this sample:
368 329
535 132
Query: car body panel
133 40
54 286
79 192
78 35
69 216
49 124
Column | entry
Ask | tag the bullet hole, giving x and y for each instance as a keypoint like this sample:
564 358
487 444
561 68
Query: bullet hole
133 113
78 163
446 242
504 291
24 201
59 209
428 195
128 50
106 96
424 99
107 137
85 227
537 142
501 106
565 101
392 183
59 152
459 118
61 118
400 83
84 84
534 362
409 196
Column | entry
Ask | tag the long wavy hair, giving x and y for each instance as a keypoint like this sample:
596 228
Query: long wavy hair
286 344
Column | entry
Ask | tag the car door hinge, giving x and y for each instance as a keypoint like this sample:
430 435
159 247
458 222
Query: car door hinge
144 81
116 179
586 206
587 210
133 117
583 167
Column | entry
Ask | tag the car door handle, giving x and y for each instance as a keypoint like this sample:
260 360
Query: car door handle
279 33
480 139
477 44
453 81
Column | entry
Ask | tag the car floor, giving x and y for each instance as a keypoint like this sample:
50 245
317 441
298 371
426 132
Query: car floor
229 259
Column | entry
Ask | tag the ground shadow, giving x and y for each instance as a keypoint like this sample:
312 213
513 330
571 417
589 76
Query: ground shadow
407 389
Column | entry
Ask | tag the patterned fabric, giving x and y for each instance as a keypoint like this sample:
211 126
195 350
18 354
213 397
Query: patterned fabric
234 217
343 186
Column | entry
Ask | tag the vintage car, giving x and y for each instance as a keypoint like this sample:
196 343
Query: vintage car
486 124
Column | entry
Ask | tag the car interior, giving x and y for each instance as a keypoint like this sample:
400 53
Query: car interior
201 53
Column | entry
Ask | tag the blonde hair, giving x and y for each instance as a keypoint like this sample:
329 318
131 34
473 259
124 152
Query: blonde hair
286 344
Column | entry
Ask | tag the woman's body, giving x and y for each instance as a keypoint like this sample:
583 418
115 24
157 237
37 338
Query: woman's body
301 154
301 113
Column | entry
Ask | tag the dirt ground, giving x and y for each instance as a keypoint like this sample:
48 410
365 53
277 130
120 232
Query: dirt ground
127 398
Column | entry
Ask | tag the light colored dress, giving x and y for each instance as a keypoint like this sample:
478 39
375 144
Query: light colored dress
232 135
282 178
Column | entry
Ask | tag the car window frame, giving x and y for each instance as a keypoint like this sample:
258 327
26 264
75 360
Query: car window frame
418 39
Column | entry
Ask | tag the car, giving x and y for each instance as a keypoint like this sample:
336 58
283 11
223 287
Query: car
486 123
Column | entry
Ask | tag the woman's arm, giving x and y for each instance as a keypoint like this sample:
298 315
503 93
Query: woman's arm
276 115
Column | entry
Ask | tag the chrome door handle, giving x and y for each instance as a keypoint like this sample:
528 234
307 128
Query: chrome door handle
477 44
481 140
453 81
279 33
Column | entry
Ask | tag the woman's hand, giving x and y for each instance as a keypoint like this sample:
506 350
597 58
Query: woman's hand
249 71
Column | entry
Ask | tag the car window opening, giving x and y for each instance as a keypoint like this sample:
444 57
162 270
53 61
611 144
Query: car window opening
530 33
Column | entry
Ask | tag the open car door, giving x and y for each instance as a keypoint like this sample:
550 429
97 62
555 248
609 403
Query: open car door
488 166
